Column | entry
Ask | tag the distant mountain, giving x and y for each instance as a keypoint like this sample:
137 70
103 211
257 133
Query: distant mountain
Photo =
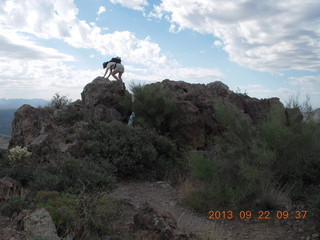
16 103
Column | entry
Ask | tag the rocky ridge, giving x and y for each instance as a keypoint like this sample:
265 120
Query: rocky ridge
41 131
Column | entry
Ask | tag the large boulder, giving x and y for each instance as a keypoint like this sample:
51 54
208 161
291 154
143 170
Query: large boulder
28 224
102 100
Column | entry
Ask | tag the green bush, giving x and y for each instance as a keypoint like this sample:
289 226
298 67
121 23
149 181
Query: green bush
296 147
154 107
257 166
13 205
97 211
70 115
71 175
132 152
62 208
58 101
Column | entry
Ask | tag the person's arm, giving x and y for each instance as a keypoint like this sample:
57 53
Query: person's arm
110 73
106 73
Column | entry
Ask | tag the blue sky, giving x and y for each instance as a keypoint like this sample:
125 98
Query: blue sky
264 48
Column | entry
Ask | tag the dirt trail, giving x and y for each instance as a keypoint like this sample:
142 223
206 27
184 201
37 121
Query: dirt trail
162 197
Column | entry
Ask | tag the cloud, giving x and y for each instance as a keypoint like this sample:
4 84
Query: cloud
306 83
269 36
43 79
28 70
15 46
57 19
284 94
134 4
101 10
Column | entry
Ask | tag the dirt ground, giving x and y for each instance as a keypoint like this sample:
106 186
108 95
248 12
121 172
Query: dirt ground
163 197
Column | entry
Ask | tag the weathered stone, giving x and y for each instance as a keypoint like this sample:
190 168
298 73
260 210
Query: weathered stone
45 135
197 122
39 223
159 225
101 98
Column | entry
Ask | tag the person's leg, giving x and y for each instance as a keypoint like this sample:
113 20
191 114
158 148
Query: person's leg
114 74
120 75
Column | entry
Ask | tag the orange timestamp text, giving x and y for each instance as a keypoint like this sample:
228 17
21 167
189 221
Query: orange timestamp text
263 215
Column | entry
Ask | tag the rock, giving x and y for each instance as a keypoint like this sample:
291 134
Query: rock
102 100
51 133
158 225
29 225
28 124
39 223
196 115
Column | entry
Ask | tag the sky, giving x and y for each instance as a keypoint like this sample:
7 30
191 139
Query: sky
265 49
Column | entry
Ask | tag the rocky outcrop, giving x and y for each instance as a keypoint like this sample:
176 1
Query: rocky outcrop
159 225
47 132
196 115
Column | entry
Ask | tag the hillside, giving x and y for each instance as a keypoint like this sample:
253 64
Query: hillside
192 149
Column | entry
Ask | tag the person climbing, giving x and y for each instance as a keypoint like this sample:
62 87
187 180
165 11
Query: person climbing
111 65
119 69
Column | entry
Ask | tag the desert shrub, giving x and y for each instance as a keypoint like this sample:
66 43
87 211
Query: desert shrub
14 204
304 107
97 211
19 156
71 175
70 115
58 101
296 147
238 169
62 208
132 152
257 166
154 107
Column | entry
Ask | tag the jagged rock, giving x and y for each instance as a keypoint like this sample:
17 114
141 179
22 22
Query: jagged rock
102 100
29 225
197 123
9 188
47 132
158 225
43 132
28 124
39 223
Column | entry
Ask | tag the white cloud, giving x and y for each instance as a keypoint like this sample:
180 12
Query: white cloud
284 94
134 4
101 10
307 83
268 36
28 70
15 46
57 19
